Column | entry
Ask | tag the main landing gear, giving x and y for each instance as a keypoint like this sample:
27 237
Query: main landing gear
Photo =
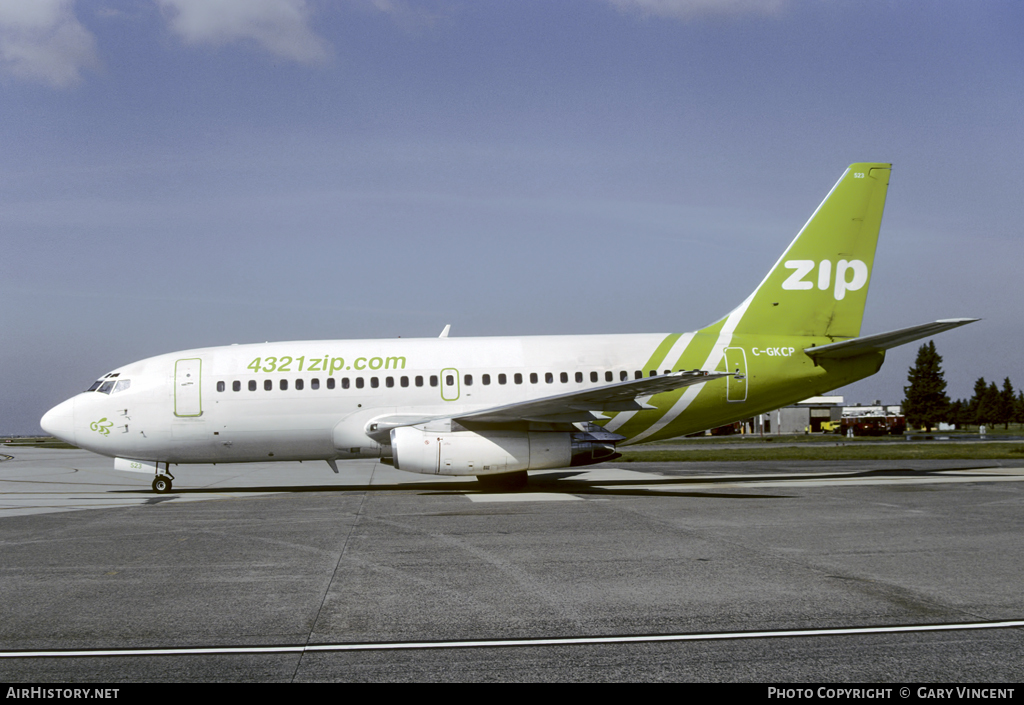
162 481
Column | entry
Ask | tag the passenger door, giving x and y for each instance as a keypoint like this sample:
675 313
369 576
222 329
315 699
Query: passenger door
188 400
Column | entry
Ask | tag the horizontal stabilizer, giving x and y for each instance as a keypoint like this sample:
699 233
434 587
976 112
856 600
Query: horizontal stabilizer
884 341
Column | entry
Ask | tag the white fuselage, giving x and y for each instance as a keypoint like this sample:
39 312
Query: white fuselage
315 399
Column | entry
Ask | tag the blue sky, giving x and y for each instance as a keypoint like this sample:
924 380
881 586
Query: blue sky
183 173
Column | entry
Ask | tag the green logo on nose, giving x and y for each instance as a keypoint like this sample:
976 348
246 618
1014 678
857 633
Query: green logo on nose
102 426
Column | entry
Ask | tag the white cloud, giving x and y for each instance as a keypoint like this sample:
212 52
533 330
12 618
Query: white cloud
685 9
42 40
279 26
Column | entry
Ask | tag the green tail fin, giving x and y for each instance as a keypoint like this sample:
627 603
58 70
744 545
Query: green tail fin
819 286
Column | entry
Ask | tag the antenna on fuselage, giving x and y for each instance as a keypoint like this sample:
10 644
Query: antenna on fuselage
444 333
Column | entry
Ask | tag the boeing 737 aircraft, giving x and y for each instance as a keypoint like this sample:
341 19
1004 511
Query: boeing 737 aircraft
499 407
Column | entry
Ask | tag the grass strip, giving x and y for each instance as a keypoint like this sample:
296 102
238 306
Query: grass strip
855 451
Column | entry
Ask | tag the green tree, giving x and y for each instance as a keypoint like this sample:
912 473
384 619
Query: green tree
985 403
956 414
925 403
1006 403
973 405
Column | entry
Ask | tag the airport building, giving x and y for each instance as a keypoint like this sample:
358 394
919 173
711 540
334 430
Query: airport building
823 414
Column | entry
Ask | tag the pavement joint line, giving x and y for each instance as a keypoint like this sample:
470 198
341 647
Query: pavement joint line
505 643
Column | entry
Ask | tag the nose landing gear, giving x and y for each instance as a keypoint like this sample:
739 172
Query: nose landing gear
162 484
162 481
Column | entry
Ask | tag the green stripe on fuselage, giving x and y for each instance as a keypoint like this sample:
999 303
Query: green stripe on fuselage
654 362
658 357
777 379
693 358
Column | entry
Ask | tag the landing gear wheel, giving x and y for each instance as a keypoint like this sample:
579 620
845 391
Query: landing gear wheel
162 485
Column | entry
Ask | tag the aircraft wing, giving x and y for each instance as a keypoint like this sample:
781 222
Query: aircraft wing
584 405
884 341
578 406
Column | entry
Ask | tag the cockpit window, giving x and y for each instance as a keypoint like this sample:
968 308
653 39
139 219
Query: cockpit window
95 385
106 387
122 384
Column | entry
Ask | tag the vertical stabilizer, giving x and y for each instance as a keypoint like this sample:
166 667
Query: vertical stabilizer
819 286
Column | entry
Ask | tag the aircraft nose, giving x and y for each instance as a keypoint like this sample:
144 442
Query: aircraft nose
60 421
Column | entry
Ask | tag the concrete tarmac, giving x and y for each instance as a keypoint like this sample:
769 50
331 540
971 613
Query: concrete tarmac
645 572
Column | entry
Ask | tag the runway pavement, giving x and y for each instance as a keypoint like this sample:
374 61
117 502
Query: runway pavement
772 572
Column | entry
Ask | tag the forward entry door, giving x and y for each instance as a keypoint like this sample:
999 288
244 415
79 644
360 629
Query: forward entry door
187 388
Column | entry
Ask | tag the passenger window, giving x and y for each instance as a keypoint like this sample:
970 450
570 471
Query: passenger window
654 373
236 386
331 383
433 380
268 385
563 378
469 380
284 385
609 377
359 382
374 382
252 385
221 386
518 378
548 377
389 382
344 382
299 384
533 378
579 376
623 375
486 379
449 380
639 374
502 379
593 376
419 380
314 383
404 381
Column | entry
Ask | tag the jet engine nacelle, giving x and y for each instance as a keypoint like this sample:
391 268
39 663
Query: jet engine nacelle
493 452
